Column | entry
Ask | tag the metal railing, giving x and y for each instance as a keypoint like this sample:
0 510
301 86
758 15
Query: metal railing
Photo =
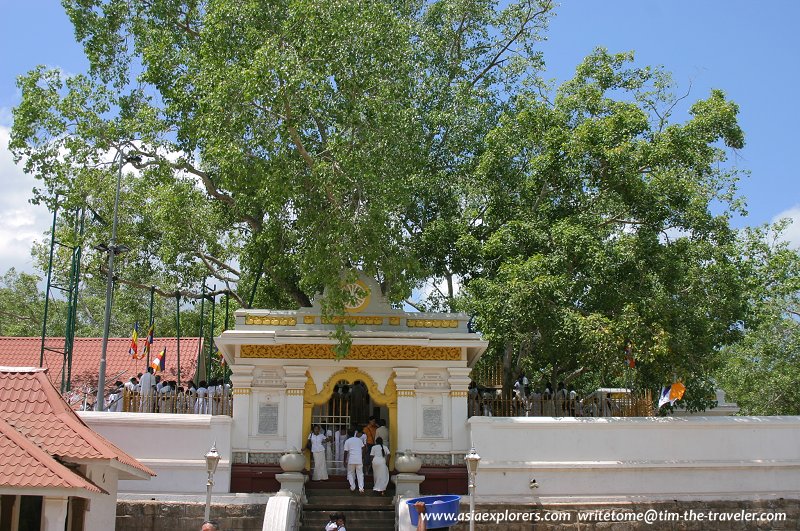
217 404
594 405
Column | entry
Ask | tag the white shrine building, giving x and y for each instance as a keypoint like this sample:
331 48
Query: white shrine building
411 369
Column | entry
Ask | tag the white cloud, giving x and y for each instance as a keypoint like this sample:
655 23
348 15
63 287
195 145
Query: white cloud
20 222
792 233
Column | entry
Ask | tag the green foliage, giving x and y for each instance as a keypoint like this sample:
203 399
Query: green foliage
598 231
22 306
760 372
286 145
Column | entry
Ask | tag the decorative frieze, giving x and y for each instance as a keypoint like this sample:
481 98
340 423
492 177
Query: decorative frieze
432 323
460 394
264 458
406 392
270 320
242 390
294 392
353 320
357 352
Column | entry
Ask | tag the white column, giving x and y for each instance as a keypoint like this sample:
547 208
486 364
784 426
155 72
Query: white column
54 513
242 383
295 379
405 378
103 513
459 384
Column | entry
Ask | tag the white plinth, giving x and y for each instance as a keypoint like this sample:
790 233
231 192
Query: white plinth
407 485
294 483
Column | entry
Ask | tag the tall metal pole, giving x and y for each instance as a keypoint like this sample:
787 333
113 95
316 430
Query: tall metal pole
211 332
150 326
200 356
112 247
49 277
178 331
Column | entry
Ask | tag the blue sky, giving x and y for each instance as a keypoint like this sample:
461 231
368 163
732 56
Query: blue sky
748 49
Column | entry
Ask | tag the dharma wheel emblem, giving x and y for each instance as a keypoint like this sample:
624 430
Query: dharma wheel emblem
358 293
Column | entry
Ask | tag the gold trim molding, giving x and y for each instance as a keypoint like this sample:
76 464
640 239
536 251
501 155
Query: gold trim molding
406 392
271 320
309 319
353 320
242 390
357 352
432 323
295 392
459 393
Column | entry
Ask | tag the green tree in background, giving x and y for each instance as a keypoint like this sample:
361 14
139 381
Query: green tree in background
597 231
284 144
760 373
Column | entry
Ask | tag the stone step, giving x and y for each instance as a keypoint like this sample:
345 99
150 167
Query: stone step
356 519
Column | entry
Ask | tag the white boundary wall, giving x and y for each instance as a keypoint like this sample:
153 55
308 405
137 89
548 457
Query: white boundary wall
636 459
174 446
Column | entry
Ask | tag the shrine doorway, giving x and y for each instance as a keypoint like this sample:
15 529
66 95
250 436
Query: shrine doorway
347 400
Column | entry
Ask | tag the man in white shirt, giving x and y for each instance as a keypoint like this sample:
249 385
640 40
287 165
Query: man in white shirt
382 432
353 450
148 383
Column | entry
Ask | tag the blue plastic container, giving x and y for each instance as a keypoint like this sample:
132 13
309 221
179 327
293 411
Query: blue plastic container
447 504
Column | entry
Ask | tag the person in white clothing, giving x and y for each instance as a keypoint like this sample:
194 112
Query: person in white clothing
147 383
318 440
201 405
339 439
380 469
353 449
382 432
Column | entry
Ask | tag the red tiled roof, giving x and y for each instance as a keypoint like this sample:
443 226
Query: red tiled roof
25 465
25 352
33 407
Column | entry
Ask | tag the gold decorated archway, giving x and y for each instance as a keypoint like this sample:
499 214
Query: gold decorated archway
388 398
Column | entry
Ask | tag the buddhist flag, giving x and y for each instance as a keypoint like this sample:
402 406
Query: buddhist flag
148 343
158 362
133 350
629 359
671 393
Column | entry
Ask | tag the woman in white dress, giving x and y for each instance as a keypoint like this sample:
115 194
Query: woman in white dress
318 440
380 470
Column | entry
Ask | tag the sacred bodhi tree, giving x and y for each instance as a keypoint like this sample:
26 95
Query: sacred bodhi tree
283 144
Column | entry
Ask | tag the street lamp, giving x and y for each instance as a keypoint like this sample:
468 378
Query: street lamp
212 459
472 459
112 249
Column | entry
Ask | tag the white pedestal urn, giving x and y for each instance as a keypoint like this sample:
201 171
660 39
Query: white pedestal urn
292 461
407 463
293 480
407 480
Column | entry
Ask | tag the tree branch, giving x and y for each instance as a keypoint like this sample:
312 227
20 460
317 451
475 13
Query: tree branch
496 61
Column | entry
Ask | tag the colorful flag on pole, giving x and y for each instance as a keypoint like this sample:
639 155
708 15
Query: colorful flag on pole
148 343
133 350
671 393
629 355
159 361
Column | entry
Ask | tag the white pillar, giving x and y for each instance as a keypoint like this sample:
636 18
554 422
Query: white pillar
459 385
242 383
295 379
103 513
405 378
54 513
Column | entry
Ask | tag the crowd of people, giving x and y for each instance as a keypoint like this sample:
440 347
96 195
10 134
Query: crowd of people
360 450
543 401
150 393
